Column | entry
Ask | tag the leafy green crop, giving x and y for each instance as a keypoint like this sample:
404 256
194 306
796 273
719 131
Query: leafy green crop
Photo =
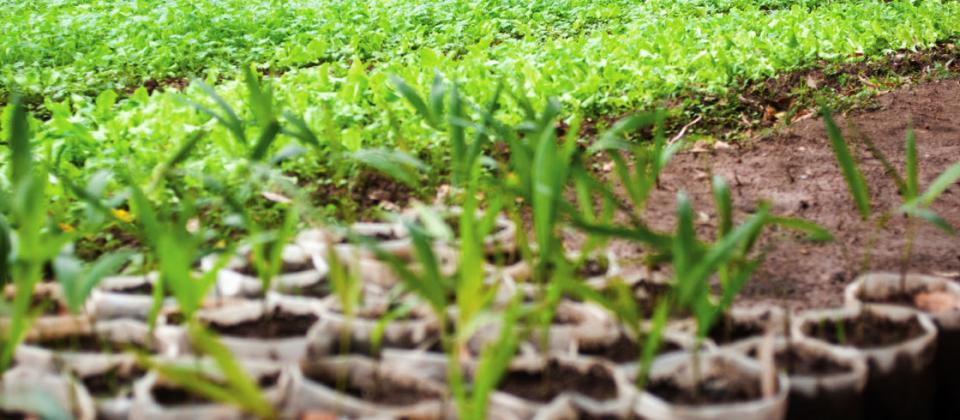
597 59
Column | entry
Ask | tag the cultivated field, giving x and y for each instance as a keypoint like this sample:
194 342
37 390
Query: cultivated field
552 209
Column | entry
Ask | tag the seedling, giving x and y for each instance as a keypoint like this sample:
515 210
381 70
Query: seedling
27 243
914 203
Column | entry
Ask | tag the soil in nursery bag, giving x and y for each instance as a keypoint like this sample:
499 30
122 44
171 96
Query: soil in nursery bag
17 415
87 343
796 362
385 392
545 384
286 267
898 385
719 388
170 395
319 290
623 349
867 331
173 395
842 402
278 325
727 330
113 382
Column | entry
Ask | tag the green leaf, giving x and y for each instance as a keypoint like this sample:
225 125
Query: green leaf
260 99
393 163
415 100
78 281
303 132
6 251
724 204
685 246
437 92
926 214
267 136
851 173
229 119
243 390
814 231
913 179
496 358
21 157
458 145
940 184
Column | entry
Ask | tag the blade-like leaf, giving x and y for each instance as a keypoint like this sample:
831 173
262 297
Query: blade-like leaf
724 204
303 131
851 173
243 389
912 165
394 163
77 282
814 231
229 119
6 251
930 216
267 136
260 97
21 157
411 95
940 184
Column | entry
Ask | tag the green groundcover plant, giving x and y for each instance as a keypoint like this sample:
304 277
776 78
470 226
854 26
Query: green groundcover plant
614 57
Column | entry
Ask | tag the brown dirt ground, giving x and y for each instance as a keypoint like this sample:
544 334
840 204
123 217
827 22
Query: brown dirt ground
795 169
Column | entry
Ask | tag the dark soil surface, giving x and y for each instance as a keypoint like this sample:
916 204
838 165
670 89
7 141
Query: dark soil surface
727 330
141 289
545 385
320 289
249 269
623 350
86 343
866 331
796 361
717 389
796 170
16 415
112 383
386 392
278 324
173 396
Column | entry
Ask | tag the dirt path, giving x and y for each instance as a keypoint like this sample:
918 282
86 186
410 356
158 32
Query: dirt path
796 170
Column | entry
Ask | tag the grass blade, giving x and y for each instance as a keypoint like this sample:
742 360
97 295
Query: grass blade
814 231
912 165
940 184
6 251
851 173
724 203
21 157
930 216
267 136
411 95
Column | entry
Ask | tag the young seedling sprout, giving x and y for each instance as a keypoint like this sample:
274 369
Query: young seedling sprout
914 203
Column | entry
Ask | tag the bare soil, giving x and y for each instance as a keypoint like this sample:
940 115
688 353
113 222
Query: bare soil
797 172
